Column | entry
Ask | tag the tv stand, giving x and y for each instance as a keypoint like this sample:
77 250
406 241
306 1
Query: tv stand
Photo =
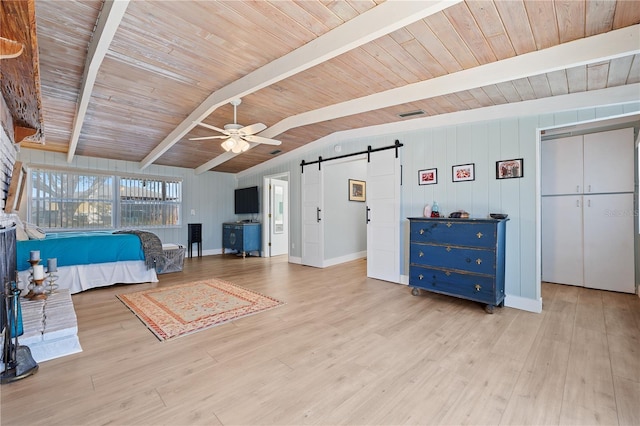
243 237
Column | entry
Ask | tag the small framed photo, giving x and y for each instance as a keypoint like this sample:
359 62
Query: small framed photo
427 177
464 172
357 190
508 169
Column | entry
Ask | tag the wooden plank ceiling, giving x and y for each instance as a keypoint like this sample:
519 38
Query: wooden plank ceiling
168 58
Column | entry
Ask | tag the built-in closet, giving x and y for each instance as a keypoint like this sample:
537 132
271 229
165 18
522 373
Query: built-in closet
587 187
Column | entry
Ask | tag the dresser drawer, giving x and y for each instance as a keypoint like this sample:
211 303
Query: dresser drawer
459 233
476 260
473 287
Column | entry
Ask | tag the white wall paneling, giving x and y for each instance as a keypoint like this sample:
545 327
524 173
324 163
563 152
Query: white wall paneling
482 142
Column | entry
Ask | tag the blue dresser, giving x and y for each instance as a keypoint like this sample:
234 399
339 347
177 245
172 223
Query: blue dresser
459 257
242 237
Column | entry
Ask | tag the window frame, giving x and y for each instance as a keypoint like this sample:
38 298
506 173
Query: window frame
115 200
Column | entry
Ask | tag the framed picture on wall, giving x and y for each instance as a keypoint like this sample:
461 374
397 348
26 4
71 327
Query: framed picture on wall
509 169
427 177
463 172
357 190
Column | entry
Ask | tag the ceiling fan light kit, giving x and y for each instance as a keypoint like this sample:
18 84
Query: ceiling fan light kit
238 136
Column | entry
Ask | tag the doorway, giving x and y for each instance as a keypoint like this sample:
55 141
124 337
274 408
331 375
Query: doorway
275 232
380 212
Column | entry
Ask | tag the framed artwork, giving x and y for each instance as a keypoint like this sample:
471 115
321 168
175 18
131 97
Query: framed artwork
427 177
463 172
357 190
509 169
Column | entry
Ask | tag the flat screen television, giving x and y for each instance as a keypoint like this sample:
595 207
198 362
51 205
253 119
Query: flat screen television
246 200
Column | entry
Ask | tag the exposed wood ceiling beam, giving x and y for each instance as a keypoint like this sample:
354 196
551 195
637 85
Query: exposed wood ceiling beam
601 47
381 20
106 27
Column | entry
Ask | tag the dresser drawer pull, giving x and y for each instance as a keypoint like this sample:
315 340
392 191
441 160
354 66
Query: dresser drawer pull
420 277
479 234
477 287
421 231
448 248
421 254
479 261
449 224
447 273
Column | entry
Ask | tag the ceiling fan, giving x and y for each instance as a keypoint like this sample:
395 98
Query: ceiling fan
238 136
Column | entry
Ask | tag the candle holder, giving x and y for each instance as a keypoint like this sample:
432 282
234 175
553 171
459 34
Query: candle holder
51 287
39 292
31 284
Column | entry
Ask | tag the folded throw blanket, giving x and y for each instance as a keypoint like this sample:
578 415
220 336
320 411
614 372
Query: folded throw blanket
151 246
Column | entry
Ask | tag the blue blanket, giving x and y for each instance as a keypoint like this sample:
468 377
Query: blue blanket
81 248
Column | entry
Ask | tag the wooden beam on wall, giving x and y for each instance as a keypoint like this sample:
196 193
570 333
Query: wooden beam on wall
20 83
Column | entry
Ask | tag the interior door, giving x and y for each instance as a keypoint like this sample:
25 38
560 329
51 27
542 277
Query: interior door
383 216
279 217
312 224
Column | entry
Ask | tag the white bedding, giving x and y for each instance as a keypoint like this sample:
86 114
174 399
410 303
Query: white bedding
78 278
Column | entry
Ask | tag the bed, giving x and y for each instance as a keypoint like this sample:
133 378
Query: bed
89 259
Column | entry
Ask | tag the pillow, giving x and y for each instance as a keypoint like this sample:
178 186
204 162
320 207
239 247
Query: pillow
34 232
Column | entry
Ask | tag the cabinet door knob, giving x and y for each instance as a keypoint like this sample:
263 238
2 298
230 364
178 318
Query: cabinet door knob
478 287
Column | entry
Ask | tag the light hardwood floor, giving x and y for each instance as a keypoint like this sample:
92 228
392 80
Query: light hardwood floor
343 350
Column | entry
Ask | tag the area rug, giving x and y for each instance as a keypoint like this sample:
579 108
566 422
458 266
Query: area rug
171 312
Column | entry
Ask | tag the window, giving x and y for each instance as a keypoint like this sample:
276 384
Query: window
86 200
145 202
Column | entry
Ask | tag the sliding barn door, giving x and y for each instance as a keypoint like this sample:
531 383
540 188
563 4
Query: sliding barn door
383 216
312 214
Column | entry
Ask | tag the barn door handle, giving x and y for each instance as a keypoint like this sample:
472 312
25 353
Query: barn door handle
318 214
368 218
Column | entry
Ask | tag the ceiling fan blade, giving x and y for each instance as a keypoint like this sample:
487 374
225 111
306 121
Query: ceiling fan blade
252 130
260 139
217 129
204 138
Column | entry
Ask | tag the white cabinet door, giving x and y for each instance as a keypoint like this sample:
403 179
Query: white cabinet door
561 166
609 161
562 256
609 242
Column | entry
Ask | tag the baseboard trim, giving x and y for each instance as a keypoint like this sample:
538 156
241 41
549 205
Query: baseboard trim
523 303
295 259
343 259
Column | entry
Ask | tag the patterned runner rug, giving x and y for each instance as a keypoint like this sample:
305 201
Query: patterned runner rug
175 311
